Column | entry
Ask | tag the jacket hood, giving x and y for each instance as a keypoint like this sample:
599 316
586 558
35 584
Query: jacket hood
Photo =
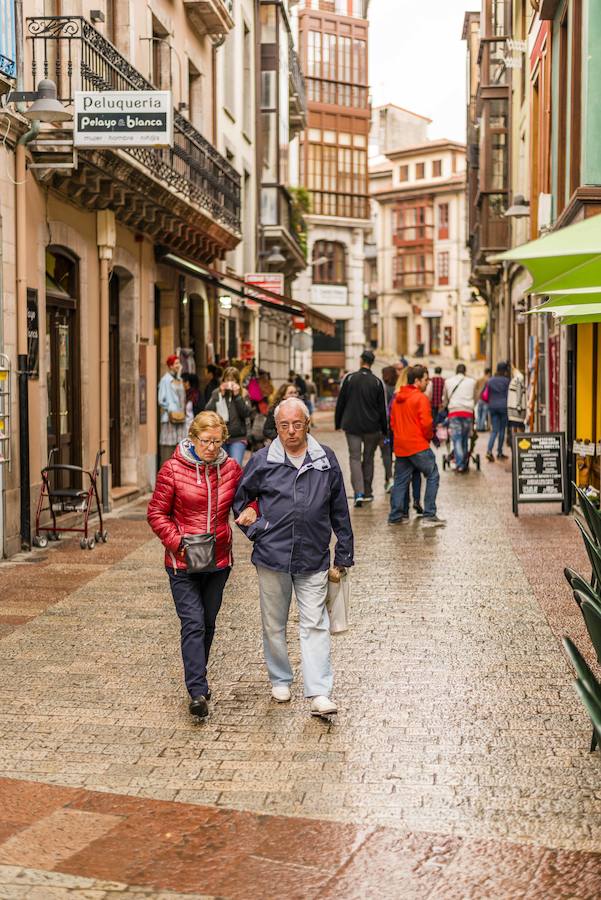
405 392
277 454
184 451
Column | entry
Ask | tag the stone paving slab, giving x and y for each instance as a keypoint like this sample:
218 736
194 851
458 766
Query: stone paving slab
457 712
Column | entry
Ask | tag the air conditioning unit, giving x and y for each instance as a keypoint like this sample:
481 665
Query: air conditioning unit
544 211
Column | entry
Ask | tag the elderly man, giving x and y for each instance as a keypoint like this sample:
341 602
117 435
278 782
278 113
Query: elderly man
302 499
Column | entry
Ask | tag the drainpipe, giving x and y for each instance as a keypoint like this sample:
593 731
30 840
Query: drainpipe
21 285
106 240
508 312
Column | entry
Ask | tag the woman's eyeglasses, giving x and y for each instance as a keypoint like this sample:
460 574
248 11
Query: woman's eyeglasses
204 442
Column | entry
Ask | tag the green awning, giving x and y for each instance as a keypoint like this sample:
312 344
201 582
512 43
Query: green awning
563 261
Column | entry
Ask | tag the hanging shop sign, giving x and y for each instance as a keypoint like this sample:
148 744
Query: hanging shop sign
539 470
33 334
5 409
123 119
270 281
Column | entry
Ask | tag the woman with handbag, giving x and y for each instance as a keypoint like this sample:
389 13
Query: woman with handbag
228 401
189 513
172 405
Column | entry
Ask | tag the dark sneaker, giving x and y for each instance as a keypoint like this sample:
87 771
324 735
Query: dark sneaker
419 509
490 457
502 456
199 707
359 500
402 521
433 522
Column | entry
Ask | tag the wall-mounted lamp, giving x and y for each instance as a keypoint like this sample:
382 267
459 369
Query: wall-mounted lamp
45 106
96 15
225 302
519 209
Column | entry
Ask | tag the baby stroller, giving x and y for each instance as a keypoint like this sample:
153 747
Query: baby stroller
448 457
69 499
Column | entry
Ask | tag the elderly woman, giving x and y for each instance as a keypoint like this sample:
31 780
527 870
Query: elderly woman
193 496
284 392
229 401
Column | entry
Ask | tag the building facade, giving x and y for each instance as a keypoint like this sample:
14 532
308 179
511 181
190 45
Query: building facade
115 257
333 40
425 307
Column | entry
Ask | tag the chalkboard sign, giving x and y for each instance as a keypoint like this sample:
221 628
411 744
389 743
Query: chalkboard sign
539 470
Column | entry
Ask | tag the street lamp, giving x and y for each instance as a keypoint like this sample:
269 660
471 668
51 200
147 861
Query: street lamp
519 209
45 106
275 257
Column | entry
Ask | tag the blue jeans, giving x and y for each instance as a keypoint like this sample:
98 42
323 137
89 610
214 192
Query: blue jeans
482 416
423 463
275 592
197 602
460 430
498 418
235 449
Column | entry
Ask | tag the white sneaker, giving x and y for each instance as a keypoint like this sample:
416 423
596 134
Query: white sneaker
323 706
281 693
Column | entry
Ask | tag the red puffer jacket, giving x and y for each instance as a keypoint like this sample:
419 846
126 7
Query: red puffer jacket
180 503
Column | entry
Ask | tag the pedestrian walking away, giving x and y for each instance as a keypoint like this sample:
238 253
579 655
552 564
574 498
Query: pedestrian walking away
361 413
459 401
389 377
516 402
437 384
497 390
482 405
301 499
412 424
172 406
233 407
193 496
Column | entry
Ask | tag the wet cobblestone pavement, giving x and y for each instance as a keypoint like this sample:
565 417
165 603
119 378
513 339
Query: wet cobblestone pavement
458 765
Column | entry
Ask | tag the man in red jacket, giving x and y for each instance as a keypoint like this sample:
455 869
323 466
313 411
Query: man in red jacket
411 424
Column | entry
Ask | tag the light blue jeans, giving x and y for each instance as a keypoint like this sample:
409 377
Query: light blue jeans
275 592
235 449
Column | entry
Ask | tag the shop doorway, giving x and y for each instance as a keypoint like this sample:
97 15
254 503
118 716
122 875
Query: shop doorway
114 381
434 335
63 424
402 336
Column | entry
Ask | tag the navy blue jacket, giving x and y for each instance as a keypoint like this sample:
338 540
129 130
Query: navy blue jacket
299 509
498 387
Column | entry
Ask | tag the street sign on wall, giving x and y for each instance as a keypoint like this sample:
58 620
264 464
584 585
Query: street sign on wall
123 119
329 294
539 471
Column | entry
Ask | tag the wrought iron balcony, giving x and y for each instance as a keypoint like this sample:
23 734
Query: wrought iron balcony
298 94
76 56
8 68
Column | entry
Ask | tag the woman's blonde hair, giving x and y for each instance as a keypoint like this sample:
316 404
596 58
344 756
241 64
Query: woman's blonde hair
232 374
402 379
204 420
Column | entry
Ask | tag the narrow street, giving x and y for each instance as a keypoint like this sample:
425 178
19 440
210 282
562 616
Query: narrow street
458 765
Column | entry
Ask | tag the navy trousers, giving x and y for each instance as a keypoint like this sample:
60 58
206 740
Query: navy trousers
197 601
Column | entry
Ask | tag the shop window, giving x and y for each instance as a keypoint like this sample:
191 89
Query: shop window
324 343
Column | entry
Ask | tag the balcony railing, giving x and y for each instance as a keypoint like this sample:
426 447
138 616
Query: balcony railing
298 93
71 51
420 280
7 40
414 234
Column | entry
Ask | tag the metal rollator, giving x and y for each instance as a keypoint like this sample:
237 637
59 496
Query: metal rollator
69 499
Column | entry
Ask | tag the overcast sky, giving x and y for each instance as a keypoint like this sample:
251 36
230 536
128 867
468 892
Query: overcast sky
418 60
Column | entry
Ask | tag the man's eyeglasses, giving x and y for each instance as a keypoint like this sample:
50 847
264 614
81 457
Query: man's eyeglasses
286 426
204 442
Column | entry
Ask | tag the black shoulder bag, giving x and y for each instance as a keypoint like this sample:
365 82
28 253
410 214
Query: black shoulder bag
199 549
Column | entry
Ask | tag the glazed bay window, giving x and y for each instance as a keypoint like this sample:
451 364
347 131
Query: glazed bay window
336 173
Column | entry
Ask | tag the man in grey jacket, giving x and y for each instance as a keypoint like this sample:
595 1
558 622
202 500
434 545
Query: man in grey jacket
302 499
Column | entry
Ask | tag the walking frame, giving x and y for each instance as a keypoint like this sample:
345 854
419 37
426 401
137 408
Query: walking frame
62 500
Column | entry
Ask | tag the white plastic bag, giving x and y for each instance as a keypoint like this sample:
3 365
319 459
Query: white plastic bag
338 604
221 408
